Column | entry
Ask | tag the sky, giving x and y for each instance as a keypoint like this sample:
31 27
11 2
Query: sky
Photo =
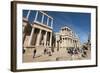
80 23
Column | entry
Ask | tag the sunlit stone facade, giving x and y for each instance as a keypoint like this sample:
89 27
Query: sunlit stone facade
66 38
39 32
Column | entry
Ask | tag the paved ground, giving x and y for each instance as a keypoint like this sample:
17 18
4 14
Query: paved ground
56 56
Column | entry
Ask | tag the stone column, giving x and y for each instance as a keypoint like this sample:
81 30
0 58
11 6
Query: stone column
48 21
28 14
31 37
51 39
68 42
72 43
52 23
45 38
36 16
38 38
76 44
42 18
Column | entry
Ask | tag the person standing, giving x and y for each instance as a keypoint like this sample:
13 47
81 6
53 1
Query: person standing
45 51
34 53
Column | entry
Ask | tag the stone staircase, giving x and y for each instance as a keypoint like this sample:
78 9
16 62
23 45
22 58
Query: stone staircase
39 50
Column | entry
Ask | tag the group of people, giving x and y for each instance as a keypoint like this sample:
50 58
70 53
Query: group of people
46 51
73 51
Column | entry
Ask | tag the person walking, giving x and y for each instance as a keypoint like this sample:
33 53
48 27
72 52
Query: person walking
34 53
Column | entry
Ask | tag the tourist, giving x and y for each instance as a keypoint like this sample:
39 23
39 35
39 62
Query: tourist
45 51
34 53
23 51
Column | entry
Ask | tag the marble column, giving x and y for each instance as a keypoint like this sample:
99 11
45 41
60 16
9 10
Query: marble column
51 39
42 18
52 23
45 38
38 38
67 42
28 14
36 16
48 21
72 43
31 37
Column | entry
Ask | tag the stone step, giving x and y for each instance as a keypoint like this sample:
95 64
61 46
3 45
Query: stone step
39 50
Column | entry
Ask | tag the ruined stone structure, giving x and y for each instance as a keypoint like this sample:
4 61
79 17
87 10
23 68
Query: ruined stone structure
66 38
38 33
